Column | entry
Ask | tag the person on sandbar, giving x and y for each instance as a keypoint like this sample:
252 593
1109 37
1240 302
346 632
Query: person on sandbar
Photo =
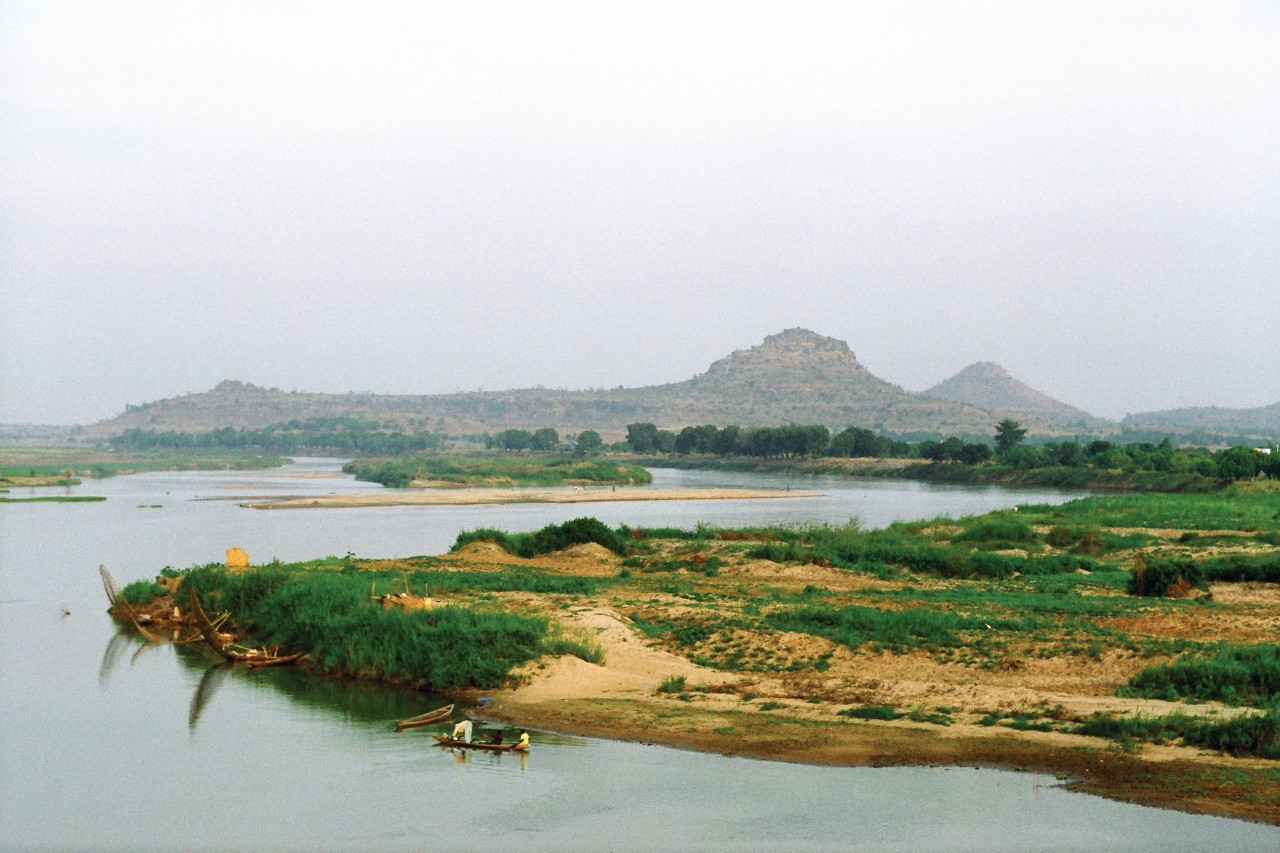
462 731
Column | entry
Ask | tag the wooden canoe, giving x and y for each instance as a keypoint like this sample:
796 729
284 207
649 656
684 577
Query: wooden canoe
445 740
439 715
223 644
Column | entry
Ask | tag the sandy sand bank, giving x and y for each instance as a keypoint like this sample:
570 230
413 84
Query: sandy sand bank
507 496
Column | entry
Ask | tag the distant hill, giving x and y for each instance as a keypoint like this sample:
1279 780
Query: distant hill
987 385
795 376
1262 423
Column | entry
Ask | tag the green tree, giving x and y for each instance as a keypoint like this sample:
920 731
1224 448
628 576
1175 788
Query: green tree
545 439
588 443
643 437
1238 463
1009 434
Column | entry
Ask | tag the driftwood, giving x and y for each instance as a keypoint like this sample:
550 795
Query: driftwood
225 645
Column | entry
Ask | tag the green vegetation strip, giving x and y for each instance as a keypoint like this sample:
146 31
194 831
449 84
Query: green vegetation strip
1246 734
1231 673
61 499
495 471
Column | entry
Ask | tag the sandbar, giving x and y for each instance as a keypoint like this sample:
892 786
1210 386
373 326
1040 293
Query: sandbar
469 496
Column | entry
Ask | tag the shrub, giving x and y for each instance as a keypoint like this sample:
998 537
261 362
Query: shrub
672 684
1162 576
141 593
553 537
870 712
557 537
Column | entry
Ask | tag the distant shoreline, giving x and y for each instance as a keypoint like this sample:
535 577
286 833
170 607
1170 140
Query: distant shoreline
459 497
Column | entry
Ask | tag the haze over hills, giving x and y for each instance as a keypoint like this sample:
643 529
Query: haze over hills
1261 421
988 386
795 376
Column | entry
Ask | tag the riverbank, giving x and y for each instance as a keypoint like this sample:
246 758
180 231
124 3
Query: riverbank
772 719
474 496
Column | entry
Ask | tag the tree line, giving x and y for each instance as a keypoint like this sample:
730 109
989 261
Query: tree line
1007 448
340 435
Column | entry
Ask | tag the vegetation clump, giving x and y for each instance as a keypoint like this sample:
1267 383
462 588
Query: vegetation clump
489 470
1255 735
553 537
1231 673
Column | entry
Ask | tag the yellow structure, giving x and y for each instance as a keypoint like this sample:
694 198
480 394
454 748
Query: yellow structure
237 558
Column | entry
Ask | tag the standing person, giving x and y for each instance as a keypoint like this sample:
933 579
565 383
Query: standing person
462 731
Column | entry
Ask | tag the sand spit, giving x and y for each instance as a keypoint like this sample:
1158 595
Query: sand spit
454 497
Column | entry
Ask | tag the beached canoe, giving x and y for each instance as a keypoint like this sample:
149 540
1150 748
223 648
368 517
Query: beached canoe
439 715
444 740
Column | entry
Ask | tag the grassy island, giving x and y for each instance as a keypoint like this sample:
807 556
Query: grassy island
1124 642
494 470
67 466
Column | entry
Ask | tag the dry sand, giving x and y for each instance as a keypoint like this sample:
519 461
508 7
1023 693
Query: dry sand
460 496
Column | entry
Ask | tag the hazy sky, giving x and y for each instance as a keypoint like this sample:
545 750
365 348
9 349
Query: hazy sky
428 197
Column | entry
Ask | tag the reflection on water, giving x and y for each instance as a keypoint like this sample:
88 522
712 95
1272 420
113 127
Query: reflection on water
209 684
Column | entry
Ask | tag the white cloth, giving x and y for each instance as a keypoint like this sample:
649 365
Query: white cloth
462 731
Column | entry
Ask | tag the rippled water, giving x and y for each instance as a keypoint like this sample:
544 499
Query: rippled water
109 743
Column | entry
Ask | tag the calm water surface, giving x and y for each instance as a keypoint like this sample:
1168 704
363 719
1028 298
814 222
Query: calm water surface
107 743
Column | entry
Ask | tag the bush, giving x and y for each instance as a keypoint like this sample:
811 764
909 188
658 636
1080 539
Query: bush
557 537
672 684
141 593
553 537
870 712
1166 576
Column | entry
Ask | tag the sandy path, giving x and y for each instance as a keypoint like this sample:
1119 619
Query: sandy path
630 667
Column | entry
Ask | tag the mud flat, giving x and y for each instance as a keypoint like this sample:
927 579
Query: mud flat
465 496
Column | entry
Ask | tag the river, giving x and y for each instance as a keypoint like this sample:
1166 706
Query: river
108 743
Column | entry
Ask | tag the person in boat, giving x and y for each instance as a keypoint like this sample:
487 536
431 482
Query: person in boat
462 731
524 741
495 737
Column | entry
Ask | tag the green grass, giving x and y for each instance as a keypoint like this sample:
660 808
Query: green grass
893 630
491 470
60 499
1241 507
1231 673
329 615
1244 735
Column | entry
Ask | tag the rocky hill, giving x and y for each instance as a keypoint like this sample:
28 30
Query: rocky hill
988 386
795 376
